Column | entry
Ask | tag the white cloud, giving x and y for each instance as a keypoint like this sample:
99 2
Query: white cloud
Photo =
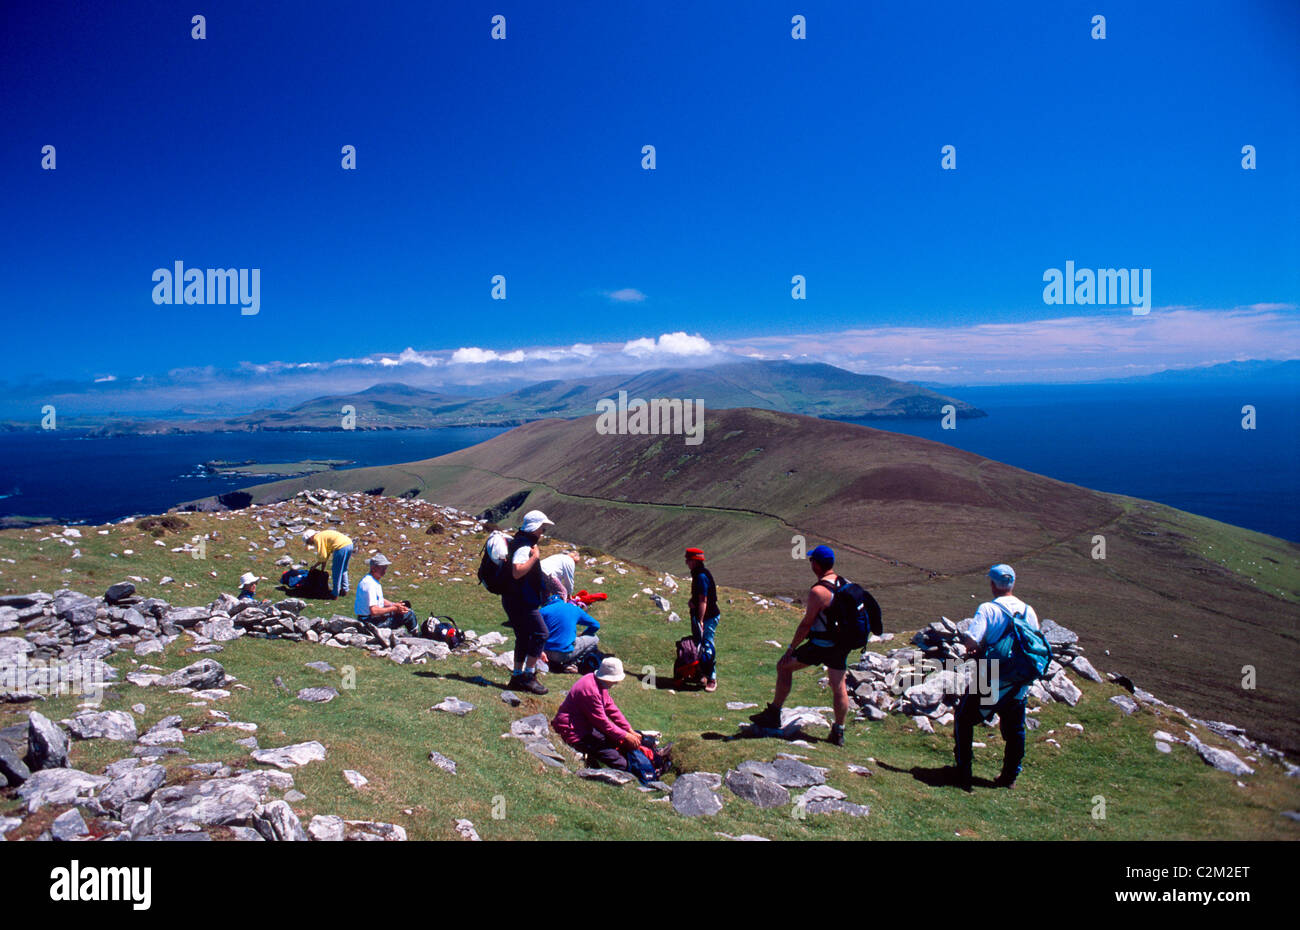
678 343
626 295
105 379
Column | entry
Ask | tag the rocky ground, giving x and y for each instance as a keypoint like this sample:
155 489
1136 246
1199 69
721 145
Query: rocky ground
62 639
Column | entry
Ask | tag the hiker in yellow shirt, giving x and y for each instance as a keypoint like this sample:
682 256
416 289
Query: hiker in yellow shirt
332 549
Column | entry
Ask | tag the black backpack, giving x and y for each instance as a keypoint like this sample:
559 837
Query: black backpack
852 614
313 583
444 630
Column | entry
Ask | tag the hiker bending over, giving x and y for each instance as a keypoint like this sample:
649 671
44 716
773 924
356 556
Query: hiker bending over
704 616
590 721
564 647
992 621
525 592
333 551
372 608
558 571
820 649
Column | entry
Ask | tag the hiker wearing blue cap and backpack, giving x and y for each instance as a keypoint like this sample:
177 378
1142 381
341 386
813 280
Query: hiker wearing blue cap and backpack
839 618
1005 633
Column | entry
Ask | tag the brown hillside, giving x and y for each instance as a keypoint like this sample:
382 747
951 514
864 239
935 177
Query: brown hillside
919 523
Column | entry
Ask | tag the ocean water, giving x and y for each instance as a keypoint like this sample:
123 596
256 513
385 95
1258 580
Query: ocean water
1181 446
62 474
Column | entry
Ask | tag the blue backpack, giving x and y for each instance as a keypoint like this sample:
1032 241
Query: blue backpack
1023 653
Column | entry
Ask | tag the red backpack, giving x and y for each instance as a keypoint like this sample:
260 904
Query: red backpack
686 668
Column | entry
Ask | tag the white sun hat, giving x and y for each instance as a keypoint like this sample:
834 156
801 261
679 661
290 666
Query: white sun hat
611 670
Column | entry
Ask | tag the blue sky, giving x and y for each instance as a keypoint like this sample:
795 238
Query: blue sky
523 158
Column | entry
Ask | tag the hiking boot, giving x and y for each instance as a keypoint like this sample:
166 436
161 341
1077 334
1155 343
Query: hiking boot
711 685
768 718
837 735
1005 781
528 682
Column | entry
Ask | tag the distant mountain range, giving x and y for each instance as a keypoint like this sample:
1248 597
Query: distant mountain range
1251 371
1255 371
811 389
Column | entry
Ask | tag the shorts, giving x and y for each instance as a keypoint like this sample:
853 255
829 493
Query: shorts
833 657
530 630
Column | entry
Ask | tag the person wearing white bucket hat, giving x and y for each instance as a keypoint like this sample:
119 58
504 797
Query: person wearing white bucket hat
525 593
590 721
248 586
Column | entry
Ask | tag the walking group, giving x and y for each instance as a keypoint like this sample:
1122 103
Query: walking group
550 624
544 612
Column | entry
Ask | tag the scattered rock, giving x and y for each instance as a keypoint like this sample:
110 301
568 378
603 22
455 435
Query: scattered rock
454 705
119 592
13 771
58 786
110 724
287 757
442 762
609 776
761 792
466 829
135 784
355 779
326 828
47 744
205 673
1124 703
693 795
1221 759
1060 687
317 695
68 825
277 821
373 830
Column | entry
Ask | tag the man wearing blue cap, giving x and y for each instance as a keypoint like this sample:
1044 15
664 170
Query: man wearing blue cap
820 649
991 622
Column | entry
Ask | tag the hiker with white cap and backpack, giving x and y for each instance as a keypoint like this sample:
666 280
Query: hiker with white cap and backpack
525 591
1005 633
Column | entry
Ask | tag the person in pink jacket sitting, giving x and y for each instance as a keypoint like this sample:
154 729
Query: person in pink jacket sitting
590 721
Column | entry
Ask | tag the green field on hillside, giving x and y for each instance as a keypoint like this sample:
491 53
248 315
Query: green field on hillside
384 729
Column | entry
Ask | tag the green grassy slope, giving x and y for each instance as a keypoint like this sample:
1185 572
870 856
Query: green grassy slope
1183 603
383 727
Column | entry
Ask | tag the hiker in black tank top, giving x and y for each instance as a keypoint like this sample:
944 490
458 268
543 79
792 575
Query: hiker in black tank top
817 650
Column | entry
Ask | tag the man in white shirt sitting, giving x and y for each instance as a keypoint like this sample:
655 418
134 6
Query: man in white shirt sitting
991 622
371 607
